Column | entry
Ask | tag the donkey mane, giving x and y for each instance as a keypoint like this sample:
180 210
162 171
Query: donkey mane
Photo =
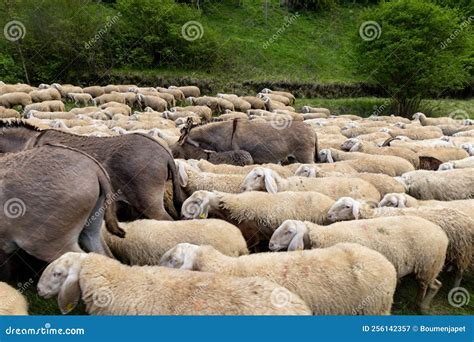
17 124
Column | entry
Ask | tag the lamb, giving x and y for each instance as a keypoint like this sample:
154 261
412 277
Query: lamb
383 183
147 240
448 185
66 89
12 302
258 214
10 100
80 98
49 94
154 102
309 109
390 165
410 243
109 97
254 101
320 277
356 145
50 115
262 179
188 90
94 91
177 93
432 121
239 103
401 200
457 226
272 105
203 111
192 180
46 106
286 94
7 113
169 98
275 97
110 288
458 164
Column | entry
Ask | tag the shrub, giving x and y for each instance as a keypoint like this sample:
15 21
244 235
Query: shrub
420 49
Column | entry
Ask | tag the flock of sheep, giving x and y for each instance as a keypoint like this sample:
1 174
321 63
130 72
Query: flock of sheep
208 191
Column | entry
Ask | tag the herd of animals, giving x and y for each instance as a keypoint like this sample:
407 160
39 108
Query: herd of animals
161 201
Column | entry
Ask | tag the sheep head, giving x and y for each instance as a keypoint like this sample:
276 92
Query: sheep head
418 116
345 208
290 235
260 179
394 200
349 144
198 204
325 156
181 256
61 278
309 171
446 166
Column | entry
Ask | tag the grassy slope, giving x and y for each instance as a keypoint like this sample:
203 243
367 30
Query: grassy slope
315 47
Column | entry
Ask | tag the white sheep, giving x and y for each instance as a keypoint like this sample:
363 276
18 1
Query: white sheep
458 164
148 240
110 288
402 200
448 185
257 214
412 244
46 106
458 227
12 302
263 179
320 277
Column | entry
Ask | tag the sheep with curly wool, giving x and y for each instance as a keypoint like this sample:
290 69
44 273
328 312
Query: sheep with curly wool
448 185
263 179
110 288
12 302
258 214
457 226
320 277
48 94
148 240
412 244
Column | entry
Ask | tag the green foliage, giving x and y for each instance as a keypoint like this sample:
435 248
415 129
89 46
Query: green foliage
422 49
68 39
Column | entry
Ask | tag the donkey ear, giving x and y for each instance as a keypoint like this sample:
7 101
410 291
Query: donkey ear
69 294
270 183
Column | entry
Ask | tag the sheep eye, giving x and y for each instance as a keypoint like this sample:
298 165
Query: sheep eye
56 274
348 206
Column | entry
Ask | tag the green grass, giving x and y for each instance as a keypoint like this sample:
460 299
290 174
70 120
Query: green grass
311 47
366 106
403 301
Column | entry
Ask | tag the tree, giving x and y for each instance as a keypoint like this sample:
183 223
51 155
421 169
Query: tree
414 49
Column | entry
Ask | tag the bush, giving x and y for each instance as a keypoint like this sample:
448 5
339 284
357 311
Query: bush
420 48
69 40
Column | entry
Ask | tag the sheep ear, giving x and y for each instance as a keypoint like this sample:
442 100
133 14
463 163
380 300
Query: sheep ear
270 183
355 209
312 172
182 175
402 202
297 243
69 294
329 157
